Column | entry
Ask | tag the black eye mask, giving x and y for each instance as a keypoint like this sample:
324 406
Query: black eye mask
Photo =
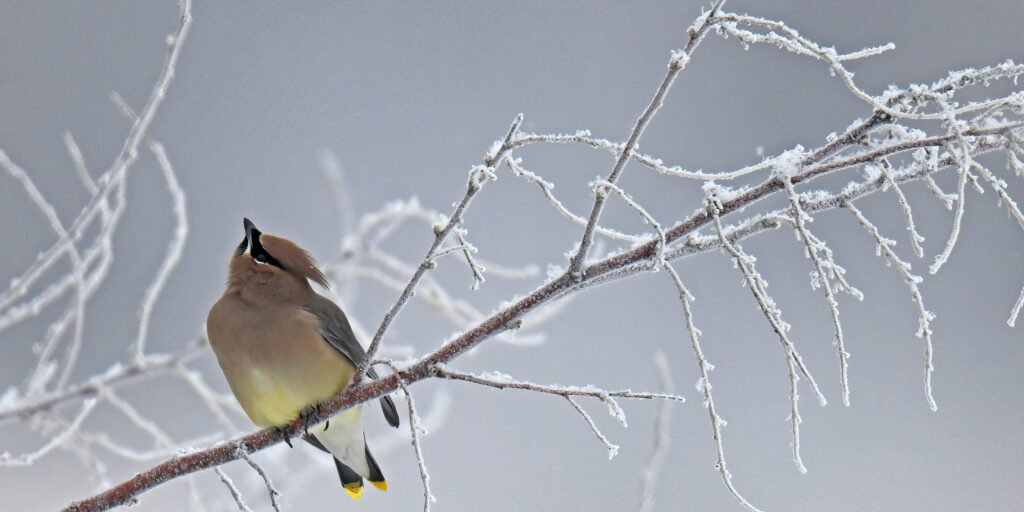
257 252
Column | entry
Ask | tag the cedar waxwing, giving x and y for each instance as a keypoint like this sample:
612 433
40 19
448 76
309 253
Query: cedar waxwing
285 349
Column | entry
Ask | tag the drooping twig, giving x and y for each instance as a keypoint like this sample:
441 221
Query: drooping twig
29 458
704 387
908 215
235 493
924 316
271 490
793 360
963 169
833 307
415 430
613 449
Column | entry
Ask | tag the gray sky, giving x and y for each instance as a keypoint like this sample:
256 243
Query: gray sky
409 96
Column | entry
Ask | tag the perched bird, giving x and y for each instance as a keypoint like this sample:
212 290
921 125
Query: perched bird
285 349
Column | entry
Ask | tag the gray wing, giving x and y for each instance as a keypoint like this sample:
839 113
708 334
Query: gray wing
335 329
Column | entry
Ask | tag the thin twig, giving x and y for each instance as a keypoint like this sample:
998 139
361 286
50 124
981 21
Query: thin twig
676 64
177 245
235 493
477 178
501 381
274 493
613 449
830 300
793 360
704 386
924 316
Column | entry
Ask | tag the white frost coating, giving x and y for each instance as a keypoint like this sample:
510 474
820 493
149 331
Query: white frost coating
723 193
613 449
705 388
236 495
679 59
364 258
758 286
1016 309
788 164
924 316
497 376
492 152
813 247
42 377
547 189
964 162
908 215
9 398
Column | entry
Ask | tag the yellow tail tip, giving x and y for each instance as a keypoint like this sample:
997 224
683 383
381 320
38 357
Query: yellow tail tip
354 490
382 485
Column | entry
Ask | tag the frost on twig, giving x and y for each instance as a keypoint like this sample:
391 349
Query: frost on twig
774 315
478 176
546 187
502 381
177 245
884 246
365 258
908 214
613 449
890 152
820 277
416 430
1016 309
704 387
235 493
963 162
274 493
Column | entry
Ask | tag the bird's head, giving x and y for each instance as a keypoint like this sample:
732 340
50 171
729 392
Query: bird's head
263 259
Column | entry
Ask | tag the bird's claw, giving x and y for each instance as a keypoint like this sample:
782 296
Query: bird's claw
309 412
284 433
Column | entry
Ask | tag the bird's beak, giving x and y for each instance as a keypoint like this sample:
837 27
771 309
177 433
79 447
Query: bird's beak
250 231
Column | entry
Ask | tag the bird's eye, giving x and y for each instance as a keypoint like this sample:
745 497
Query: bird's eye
261 258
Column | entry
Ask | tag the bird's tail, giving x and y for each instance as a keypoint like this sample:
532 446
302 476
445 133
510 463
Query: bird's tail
353 482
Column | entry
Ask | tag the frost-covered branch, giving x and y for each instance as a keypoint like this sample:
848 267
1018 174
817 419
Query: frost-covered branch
704 387
503 381
758 286
478 176
888 152
924 316
820 278
676 64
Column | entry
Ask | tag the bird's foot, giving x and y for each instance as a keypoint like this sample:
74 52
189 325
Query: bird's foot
284 433
307 413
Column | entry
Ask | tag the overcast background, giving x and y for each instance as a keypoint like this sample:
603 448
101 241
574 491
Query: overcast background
409 96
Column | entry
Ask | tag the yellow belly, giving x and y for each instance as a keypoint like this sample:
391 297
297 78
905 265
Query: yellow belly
276 398
276 363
